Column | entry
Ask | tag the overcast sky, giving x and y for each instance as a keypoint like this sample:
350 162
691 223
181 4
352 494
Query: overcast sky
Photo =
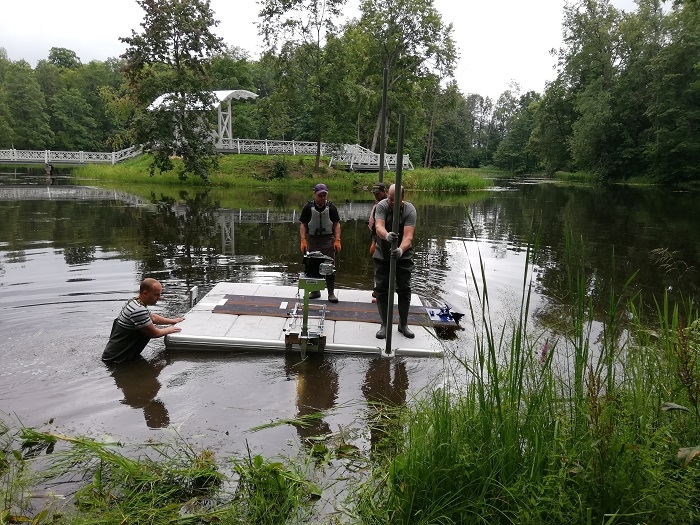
499 40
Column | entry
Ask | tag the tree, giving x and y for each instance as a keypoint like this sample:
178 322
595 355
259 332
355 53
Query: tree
589 67
6 121
72 123
514 152
302 25
553 118
448 143
65 58
172 58
27 108
674 146
412 43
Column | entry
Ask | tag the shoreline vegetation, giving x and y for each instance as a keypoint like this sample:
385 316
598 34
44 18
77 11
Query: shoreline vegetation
596 422
282 172
287 172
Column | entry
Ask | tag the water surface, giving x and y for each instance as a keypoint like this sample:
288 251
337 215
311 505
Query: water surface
69 262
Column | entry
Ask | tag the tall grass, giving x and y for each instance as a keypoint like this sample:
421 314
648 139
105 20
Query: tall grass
163 484
274 172
591 428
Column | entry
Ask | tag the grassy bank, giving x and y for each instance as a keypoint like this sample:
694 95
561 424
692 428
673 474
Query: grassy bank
283 172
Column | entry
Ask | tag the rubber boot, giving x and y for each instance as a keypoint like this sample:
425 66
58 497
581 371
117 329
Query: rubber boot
404 306
381 306
330 284
315 295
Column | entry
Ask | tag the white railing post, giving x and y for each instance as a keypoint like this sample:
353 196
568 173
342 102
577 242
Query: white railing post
46 156
114 156
267 151
294 149
238 145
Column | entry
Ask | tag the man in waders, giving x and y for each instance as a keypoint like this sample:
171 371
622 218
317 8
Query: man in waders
319 229
135 325
379 191
403 253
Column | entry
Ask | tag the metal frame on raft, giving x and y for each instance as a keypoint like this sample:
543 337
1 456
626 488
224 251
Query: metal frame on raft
311 329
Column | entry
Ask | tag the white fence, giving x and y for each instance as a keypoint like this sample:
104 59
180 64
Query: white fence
352 157
66 157
275 147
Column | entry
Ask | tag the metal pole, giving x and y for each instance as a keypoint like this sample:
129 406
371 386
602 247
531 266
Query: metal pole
304 336
395 229
382 124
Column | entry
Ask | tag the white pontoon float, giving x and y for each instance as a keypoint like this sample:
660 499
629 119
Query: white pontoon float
269 318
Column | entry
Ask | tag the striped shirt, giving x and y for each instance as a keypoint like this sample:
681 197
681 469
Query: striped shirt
134 315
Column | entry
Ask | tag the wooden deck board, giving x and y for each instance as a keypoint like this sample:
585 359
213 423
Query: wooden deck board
340 311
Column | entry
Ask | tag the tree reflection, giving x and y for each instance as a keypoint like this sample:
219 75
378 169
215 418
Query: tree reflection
138 380
79 254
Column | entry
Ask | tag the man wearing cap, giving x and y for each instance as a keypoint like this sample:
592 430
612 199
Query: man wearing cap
379 190
319 229
398 246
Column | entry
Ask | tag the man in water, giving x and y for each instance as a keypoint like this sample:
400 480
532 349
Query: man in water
135 325
403 253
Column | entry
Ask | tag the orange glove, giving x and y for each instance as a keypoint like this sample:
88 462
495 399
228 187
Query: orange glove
336 245
303 246
372 247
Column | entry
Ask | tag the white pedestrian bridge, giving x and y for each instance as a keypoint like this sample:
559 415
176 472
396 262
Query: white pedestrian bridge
351 157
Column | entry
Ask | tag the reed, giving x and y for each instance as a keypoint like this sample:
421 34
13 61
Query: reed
586 426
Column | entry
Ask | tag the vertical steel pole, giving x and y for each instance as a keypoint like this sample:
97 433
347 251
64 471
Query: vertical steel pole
382 124
395 228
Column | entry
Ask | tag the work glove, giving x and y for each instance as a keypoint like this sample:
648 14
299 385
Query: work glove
396 253
303 246
372 247
392 236
336 245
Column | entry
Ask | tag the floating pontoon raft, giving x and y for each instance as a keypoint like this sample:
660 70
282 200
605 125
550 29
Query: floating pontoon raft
257 317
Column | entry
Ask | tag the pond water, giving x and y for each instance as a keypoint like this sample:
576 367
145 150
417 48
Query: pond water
70 257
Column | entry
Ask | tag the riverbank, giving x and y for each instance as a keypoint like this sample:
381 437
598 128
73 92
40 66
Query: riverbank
249 171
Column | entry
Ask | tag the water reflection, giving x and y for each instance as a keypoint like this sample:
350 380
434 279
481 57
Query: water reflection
317 391
384 388
74 253
138 380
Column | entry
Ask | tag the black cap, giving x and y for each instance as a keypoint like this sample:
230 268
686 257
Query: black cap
378 186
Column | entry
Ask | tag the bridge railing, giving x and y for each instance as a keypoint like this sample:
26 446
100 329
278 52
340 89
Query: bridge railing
66 157
351 156
274 147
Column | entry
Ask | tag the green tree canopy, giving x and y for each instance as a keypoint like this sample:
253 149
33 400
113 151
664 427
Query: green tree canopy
27 108
172 58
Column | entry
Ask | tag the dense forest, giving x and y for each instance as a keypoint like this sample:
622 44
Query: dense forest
625 99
